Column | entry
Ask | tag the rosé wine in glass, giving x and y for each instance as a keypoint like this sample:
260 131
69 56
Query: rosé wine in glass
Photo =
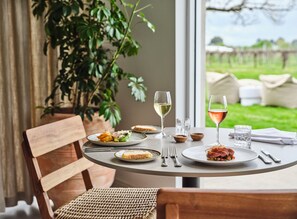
217 111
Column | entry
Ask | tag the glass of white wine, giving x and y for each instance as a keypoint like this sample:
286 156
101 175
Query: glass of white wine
162 105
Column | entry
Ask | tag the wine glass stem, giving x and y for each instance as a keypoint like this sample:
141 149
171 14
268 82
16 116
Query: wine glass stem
218 133
162 126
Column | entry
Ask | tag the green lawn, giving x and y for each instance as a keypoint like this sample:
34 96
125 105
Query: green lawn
247 69
257 116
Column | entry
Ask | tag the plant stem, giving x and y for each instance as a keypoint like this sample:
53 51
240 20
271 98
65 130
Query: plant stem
116 55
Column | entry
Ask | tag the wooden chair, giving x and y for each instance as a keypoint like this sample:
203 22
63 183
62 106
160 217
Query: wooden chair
199 204
96 202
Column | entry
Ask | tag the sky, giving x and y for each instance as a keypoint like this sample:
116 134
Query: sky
222 24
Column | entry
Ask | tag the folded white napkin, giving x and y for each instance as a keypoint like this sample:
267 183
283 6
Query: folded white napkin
272 135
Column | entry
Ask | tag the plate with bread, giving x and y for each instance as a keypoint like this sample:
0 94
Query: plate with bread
147 129
219 155
118 139
137 155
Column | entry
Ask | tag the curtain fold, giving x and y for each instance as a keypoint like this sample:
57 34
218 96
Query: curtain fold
26 77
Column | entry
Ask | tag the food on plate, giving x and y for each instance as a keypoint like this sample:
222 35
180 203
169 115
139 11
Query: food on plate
119 136
105 137
143 128
136 155
220 153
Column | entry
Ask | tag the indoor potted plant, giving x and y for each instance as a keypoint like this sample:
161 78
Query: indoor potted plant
90 36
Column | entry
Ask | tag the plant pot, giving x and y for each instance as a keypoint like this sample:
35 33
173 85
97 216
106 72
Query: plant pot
101 177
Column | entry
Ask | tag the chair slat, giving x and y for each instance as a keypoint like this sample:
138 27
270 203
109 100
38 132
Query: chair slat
46 138
51 180
219 204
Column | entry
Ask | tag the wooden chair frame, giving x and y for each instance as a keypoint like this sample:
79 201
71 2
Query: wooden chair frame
43 139
221 204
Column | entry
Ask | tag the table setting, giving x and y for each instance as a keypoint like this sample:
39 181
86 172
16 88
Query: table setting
192 152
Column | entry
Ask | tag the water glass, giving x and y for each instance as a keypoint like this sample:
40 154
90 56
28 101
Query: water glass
242 136
187 126
179 126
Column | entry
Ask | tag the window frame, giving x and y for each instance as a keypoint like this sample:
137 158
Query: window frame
190 73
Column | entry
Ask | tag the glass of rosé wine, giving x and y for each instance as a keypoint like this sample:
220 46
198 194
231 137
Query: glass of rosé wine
217 111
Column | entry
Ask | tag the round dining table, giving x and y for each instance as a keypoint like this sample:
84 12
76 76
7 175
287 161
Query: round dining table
191 170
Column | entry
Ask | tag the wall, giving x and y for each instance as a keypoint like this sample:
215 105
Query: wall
156 64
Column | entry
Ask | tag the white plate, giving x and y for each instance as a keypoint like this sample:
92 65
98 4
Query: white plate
158 129
135 138
199 154
155 154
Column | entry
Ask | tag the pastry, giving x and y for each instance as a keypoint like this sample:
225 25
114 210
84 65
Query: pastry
136 155
144 128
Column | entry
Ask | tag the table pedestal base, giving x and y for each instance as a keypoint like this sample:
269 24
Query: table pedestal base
191 182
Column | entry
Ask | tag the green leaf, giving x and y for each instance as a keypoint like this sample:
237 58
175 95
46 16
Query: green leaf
126 4
111 111
118 34
148 23
137 88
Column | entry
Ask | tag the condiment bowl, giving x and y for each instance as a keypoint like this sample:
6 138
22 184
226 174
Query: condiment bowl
197 136
180 138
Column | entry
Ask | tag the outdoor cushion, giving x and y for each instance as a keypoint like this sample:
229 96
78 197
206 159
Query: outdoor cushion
249 91
223 84
279 90
250 95
249 82
272 81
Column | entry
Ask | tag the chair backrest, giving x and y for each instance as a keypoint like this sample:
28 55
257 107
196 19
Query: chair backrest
43 139
197 203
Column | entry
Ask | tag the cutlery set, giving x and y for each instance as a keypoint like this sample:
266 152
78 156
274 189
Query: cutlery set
172 154
267 154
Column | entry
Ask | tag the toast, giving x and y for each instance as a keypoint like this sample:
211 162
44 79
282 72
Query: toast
136 155
144 128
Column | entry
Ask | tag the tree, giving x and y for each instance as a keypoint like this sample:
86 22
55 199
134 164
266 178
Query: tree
273 9
217 41
260 44
294 43
281 43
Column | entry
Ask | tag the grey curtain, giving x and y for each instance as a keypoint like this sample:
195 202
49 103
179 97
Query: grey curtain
25 80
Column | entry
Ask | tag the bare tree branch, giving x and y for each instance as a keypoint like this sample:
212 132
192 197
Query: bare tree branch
273 9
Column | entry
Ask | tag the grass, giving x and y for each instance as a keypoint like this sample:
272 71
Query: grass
257 116
247 69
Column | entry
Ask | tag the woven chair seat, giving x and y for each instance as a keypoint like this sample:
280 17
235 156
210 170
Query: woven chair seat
111 203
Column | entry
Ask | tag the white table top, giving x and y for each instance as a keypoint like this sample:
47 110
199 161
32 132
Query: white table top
287 154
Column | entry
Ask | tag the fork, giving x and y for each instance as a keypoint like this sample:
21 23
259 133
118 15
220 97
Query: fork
164 156
173 155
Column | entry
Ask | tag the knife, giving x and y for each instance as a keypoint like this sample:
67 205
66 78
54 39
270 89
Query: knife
276 160
264 159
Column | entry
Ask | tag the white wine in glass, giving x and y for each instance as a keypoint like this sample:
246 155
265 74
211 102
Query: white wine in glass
162 105
217 111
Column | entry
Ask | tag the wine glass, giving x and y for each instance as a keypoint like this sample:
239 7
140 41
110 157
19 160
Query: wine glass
162 105
217 111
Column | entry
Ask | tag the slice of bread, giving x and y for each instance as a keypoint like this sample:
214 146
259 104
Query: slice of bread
143 128
136 155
